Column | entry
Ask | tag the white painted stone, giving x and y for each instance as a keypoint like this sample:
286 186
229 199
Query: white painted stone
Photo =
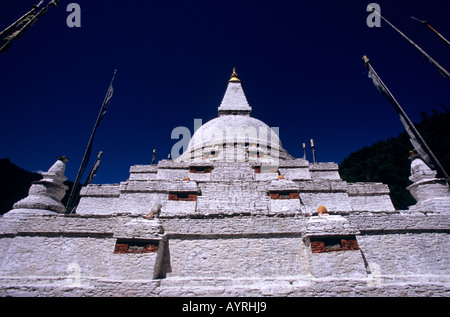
234 240
432 194
47 193
329 225
234 98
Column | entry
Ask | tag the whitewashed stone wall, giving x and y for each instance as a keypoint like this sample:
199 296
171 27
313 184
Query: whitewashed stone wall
233 188
232 197
72 258
408 253
234 239
371 197
237 257
143 172
75 251
99 200
338 264
324 171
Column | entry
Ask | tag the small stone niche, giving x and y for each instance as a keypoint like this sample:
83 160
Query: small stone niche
183 196
200 169
284 195
265 169
135 246
257 169
335 243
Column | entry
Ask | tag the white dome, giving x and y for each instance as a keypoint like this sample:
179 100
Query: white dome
234 135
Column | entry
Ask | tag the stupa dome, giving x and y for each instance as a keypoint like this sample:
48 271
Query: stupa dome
234 135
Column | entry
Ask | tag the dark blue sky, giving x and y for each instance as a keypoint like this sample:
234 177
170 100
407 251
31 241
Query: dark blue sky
299 62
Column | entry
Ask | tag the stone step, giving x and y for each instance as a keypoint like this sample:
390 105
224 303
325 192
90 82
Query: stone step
176 281
235 287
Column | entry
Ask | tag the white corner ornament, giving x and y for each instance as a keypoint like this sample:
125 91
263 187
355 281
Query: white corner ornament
45 195
430 192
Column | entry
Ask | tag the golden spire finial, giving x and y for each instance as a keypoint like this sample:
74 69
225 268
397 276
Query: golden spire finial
234 77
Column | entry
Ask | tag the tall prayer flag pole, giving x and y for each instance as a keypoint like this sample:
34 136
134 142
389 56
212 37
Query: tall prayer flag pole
443 71
425 23
77 186
416 139
17 29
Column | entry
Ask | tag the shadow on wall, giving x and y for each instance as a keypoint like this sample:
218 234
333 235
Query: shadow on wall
165 265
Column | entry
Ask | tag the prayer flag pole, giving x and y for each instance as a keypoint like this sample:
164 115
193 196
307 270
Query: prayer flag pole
443 71
416 139
71 204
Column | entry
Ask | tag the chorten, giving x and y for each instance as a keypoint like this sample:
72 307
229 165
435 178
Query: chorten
235 215
46 194
431 193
